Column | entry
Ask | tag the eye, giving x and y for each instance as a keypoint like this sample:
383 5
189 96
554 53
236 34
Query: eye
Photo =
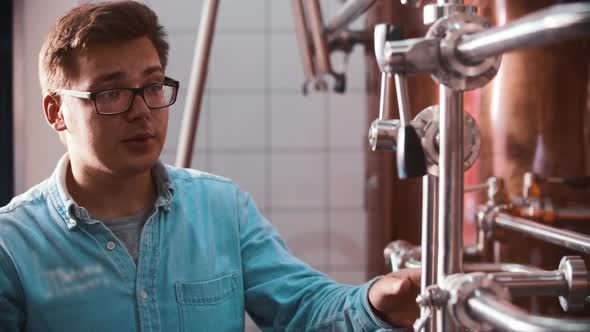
154 88
110 95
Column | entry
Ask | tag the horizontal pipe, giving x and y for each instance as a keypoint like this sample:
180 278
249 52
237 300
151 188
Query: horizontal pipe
542 283
505 316
572 213
555 24
561 237
349 12
500 267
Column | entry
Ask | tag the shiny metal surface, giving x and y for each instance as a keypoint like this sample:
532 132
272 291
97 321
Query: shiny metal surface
429 248
196 85
561 237
542 283
450 193
450 207
505 316
383 135
348 13
500 267
427 124
556 24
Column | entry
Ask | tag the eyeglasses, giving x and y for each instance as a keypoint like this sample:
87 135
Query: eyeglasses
117 101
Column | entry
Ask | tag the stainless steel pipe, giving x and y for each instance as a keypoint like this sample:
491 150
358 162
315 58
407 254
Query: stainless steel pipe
556 24
349 12
561 237
429 248
450 192
499 267
505 316
196 86
542 283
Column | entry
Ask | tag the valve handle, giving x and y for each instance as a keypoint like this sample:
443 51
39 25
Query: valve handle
411 160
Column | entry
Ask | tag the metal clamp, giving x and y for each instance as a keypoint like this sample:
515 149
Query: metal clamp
454 72
461 287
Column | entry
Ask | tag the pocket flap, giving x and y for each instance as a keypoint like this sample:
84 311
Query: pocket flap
207 292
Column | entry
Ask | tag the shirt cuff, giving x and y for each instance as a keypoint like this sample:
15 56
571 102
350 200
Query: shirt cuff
374 322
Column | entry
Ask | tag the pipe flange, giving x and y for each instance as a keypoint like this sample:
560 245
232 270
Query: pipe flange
427 123
576 275
461 287
456 73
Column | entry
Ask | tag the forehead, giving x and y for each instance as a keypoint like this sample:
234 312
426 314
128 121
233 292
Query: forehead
126 61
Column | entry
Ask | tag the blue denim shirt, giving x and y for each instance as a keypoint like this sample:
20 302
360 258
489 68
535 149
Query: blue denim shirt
206 255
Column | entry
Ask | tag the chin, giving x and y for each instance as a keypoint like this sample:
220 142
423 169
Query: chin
134 165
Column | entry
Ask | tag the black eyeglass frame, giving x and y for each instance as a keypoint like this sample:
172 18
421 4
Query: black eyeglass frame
136 91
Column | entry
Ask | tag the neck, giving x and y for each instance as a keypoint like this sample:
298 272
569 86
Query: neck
108 196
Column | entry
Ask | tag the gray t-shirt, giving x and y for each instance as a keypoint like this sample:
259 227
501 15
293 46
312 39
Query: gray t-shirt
128 230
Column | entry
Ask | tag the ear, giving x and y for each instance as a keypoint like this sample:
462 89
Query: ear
53 112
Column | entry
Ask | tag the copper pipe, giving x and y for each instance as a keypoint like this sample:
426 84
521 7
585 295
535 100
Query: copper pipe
196 86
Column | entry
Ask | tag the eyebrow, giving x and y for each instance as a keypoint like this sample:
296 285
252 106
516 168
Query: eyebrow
120 75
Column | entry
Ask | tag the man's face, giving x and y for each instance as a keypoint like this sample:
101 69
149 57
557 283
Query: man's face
122 144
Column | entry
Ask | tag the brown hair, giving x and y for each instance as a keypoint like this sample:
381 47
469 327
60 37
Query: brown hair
91 24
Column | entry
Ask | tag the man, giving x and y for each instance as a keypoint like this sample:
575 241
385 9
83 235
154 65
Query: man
116 241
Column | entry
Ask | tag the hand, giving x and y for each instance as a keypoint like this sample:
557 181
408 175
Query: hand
393 297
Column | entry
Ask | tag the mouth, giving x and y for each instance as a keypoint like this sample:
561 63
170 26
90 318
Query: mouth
139 138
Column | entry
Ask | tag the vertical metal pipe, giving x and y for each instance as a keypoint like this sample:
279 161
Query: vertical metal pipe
350 11
322 53
429 277
450 191
196 86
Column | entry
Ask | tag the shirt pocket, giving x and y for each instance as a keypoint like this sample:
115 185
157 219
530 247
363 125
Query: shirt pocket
212 305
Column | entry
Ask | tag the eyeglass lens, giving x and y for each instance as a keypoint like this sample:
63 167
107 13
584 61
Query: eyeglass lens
119 100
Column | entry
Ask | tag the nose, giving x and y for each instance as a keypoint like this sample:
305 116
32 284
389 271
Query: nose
139 109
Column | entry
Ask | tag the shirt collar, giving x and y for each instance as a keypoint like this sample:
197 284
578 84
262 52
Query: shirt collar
72 213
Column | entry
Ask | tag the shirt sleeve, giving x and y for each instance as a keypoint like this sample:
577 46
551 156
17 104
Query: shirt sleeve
284 294
12 316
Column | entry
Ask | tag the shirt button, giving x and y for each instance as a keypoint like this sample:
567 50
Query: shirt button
143 294
111 245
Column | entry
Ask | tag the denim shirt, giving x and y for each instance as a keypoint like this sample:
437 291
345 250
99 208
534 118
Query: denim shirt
206 255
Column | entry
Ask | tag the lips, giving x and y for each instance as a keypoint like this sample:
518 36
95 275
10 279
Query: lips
139 137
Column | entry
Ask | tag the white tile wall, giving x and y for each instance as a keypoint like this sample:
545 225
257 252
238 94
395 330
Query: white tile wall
175 119
297 121
286 70
347 121
238 61
238 121
243 15
298 180
346 187
347 239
